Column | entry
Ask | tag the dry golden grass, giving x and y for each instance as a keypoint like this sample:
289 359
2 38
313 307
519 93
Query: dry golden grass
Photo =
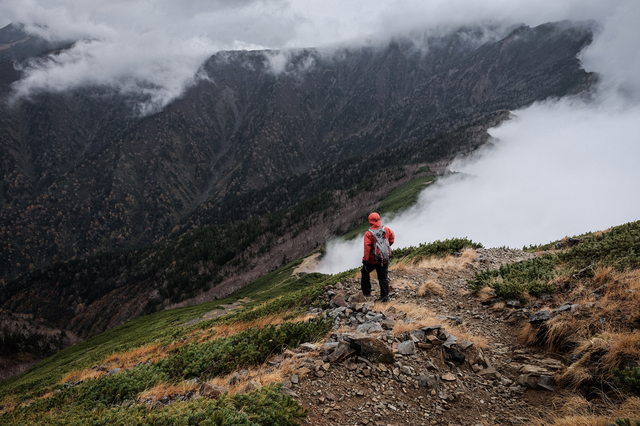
82 375
227 330
498 307
400 265
578 411
564 329
131 358
622 345
121 360
577 373
448 262
483 294
602 275
528 335
166 389
435 262
430 287
629 408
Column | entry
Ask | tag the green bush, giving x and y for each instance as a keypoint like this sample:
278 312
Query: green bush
617 248
265 407
629 379
249 347
436 248
627 422
515 280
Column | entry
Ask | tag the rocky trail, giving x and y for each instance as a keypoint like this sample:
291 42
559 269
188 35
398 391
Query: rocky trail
466 368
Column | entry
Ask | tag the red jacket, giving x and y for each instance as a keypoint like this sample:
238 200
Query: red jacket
370 240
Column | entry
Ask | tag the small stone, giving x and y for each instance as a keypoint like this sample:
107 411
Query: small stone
562 308
464 344
252 386
428 381
211 391
540 317
235 378
308 347
113 371
448 377
407 347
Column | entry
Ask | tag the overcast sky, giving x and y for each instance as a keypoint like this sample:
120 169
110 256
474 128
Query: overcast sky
557 169
157 46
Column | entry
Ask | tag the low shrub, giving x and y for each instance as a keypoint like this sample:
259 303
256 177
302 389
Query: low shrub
436 248
628 379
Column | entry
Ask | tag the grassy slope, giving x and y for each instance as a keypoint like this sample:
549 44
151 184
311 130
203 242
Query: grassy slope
277 292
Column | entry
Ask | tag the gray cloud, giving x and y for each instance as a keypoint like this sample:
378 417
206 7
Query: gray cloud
155 47
557 168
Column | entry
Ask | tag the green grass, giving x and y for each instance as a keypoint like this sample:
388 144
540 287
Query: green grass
138 332
400 199
276 292
265 407
618 248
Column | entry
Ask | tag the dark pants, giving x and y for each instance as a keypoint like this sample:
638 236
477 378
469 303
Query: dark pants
383 278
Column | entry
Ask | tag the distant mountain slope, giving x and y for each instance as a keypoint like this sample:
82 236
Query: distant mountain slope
81 172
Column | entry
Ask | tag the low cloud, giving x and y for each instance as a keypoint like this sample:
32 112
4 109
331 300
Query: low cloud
155 48
555 169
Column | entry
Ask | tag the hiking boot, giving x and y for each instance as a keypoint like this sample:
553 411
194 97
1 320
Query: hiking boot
383 299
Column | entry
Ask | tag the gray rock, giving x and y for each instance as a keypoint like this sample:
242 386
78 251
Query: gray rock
113 371
252 386
407 347
513 303
289 392
341 352
330 346
308 347
235 378
428 381
372 349
455 355
417 335
464 345
388 324
562 308
547 383
540 316
451 340
211 391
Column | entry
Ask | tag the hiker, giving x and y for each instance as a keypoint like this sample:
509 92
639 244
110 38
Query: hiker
376 256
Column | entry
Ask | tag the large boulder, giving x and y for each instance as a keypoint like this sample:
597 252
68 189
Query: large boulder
371 348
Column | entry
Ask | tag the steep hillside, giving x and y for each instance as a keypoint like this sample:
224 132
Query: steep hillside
82 172
204 261
313 347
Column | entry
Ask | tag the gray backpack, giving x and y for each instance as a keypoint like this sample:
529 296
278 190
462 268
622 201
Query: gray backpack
382 250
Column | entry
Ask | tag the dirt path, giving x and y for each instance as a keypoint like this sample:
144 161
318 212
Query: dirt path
355 393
